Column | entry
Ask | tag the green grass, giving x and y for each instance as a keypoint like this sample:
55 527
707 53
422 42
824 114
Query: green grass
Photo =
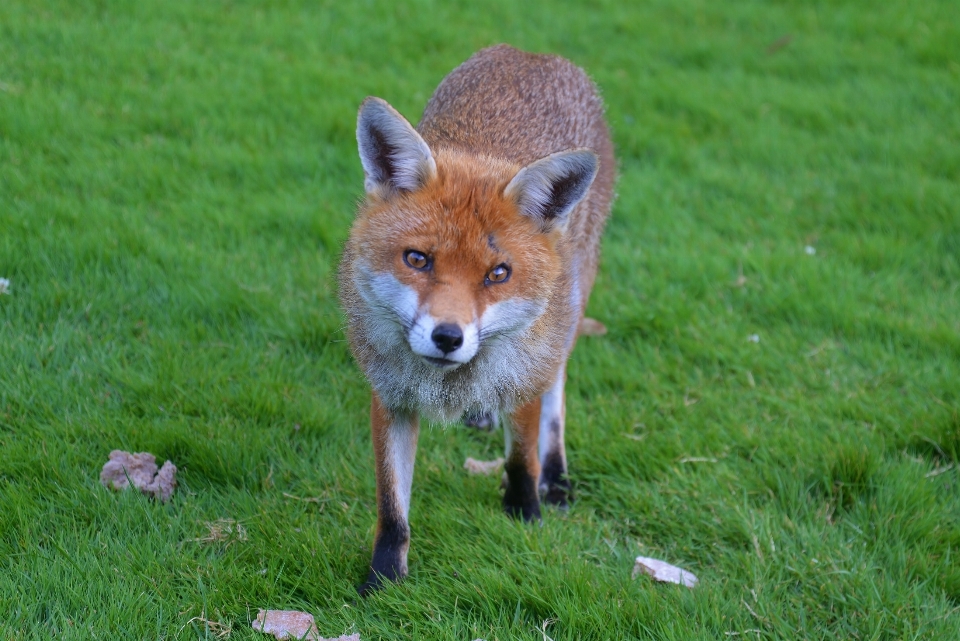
176 179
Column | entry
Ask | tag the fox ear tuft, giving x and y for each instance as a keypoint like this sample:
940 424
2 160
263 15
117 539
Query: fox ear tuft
548 189
393 154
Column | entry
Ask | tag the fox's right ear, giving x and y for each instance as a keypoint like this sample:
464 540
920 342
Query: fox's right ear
393 154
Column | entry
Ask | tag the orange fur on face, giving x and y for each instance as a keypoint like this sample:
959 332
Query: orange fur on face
462 222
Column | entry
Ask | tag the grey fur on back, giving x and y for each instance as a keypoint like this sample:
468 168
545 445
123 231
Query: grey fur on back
514 105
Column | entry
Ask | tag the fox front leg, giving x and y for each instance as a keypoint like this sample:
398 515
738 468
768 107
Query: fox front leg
522 467
395 449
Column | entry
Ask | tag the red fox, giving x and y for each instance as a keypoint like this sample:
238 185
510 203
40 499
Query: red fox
468 269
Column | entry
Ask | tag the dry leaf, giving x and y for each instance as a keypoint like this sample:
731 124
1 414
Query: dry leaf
125 468
290 624
779 44
591 327
218 629
222 530
482 467
663 571
741 279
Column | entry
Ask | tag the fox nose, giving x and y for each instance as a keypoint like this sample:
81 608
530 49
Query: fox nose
447 337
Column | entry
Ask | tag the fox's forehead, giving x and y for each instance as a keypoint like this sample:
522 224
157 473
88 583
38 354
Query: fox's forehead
441 228
466 220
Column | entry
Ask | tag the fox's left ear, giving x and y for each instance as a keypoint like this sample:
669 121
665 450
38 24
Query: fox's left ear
393 154
548 189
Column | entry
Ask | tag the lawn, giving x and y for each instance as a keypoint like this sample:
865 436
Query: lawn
776 406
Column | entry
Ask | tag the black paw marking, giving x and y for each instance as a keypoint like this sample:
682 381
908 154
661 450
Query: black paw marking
379 579
554 483
389 557
376 582
520 498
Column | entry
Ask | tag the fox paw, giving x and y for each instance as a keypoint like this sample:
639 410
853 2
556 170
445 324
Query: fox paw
376 581
555 486
558 494
520 504
481 421
527 510
370 586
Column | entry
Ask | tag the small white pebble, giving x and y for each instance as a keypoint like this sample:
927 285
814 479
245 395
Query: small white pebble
754 338
663 571
4 285
810 249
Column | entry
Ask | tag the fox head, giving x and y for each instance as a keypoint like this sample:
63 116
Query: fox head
455 255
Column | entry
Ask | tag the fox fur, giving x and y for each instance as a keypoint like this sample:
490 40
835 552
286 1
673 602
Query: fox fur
468 269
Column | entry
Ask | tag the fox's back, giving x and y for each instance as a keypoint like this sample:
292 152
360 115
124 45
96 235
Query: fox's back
515 105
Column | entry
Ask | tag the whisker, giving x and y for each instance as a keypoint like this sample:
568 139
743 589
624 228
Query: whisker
491 332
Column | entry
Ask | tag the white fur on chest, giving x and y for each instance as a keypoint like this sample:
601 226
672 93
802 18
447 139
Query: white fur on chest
508 355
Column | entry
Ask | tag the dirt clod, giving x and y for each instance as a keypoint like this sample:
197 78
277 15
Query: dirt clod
290 624
140 469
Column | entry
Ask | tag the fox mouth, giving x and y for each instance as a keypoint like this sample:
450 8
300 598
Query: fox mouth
441 363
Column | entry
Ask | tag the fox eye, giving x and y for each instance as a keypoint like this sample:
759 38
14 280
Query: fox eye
498 274
416 259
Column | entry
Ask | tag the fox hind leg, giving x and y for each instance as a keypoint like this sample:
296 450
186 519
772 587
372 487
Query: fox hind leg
554 484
